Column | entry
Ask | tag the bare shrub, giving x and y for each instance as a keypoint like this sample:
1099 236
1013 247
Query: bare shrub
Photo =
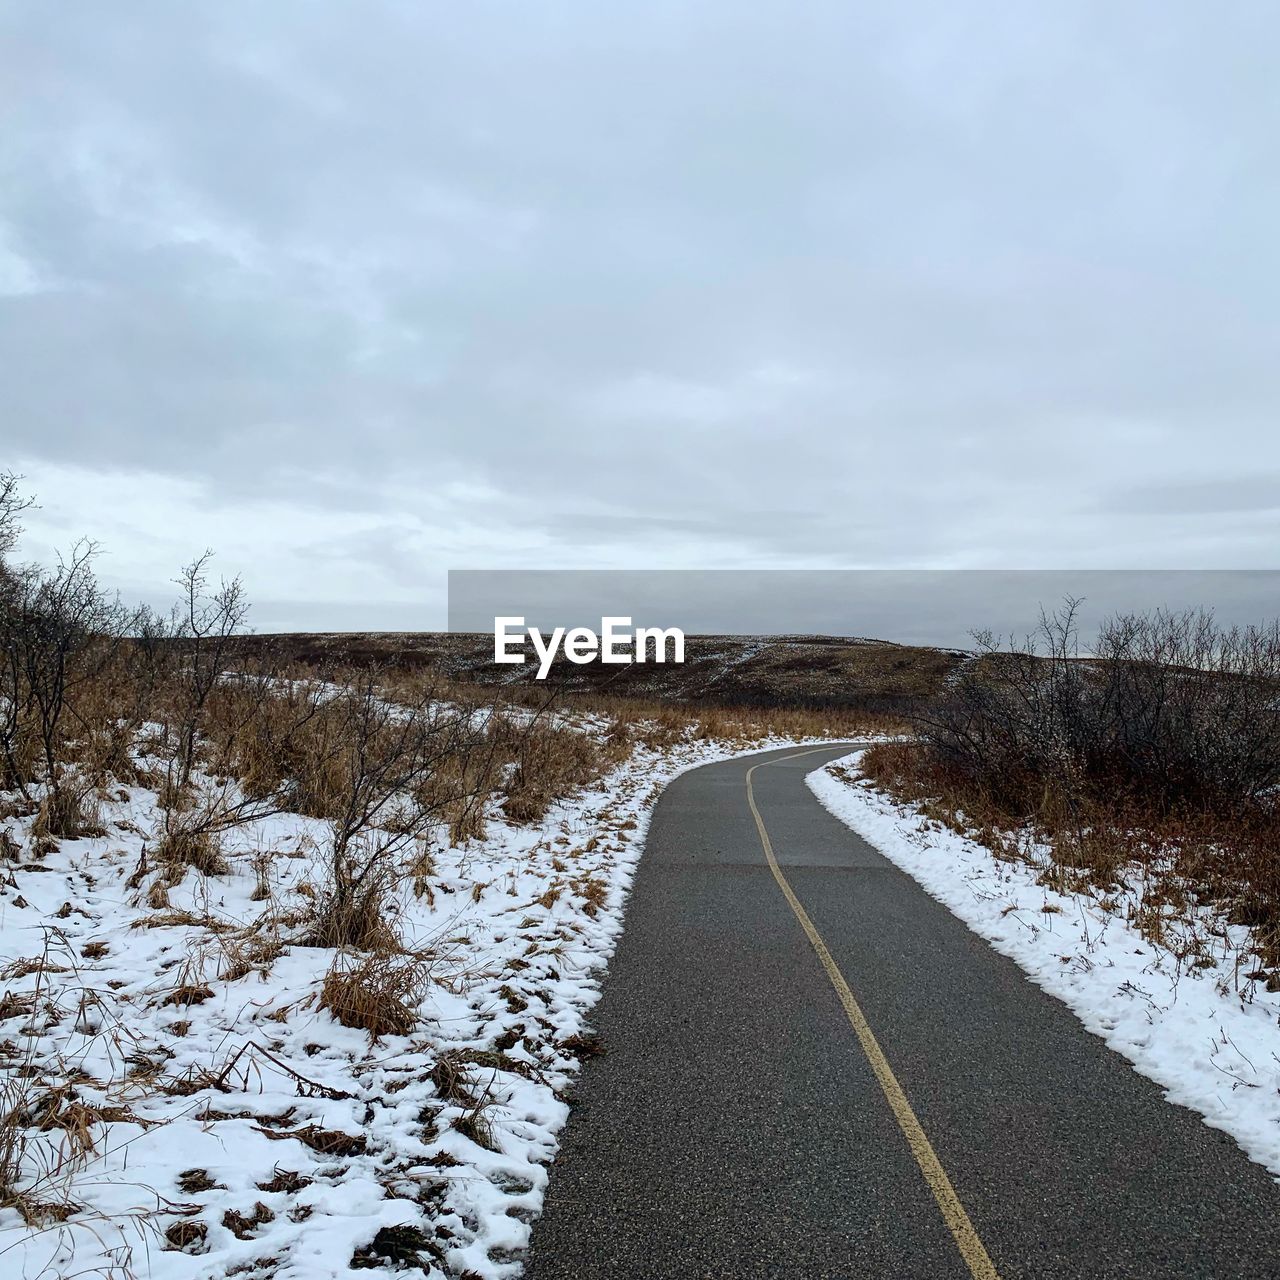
13 502
1190 709
1159 752
1172 710
204 624
265 738
58 633
378 757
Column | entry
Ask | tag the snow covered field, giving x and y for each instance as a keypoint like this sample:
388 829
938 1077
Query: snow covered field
1204 1031
203 1116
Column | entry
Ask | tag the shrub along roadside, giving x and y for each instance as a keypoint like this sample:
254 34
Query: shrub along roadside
1159 753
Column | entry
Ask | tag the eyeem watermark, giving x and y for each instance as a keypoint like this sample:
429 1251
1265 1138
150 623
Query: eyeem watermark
614 643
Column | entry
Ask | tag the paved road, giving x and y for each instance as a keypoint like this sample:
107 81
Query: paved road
734 1127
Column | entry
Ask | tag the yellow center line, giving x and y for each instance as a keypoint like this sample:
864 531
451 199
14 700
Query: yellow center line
953 1214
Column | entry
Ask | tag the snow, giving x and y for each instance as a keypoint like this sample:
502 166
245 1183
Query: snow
520 925
1208 1035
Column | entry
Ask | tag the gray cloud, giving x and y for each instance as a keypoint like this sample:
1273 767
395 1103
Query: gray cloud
1248 492
399 287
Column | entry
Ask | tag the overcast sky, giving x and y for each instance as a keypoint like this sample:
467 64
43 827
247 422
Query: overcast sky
359 293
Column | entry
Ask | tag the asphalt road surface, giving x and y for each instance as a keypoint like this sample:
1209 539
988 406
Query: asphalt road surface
735 1126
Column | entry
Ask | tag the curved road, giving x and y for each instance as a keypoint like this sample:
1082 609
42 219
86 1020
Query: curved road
736 1127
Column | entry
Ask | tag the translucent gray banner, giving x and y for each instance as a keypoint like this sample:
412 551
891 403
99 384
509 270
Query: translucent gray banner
935 607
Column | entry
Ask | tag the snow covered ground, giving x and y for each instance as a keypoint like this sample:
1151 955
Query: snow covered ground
220 1122
1204 1031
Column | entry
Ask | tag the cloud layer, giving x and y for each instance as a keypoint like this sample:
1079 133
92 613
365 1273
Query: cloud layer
360 294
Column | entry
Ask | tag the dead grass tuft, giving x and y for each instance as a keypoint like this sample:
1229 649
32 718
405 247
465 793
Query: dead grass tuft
285 1180
188 993
379 993
188 1236
66 815
402 1248
550 762
353 915
449 1075
245 1226
475 1125
193 1182
328 1142
181 848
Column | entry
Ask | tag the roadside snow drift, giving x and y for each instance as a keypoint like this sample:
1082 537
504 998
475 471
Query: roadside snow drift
1205 1033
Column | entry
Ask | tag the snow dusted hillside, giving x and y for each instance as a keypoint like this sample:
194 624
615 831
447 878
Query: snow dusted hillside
191 1108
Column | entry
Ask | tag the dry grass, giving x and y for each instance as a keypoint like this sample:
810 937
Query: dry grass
357 916
659 725
182 847
550 762
285 1180
327 1142
449 1076
402 1248
187 1235
867 679
245 1226
474 1124
457 793
1184 856
13 1139
379 993
66 814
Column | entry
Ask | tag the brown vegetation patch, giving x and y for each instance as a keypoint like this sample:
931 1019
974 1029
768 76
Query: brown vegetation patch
188 1236
189 993
582 1044
183 848
449 1075
1159 758
245 1226
285 1180
328 1142
192 1182
401 1248
378 993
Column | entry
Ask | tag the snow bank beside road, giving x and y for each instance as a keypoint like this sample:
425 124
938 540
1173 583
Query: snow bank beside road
236 1126
1213 1048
